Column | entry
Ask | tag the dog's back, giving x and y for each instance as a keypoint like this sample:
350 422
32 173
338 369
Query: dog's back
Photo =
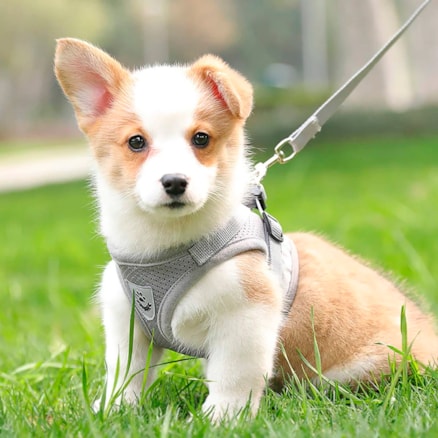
355 315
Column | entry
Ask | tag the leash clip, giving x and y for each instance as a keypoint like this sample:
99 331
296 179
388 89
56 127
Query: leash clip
282 156
301 136
295 142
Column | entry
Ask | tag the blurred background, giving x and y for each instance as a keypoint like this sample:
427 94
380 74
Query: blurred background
369 181
295 52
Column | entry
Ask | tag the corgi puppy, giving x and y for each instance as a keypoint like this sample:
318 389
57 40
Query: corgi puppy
172 170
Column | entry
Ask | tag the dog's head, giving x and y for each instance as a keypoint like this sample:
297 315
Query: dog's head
168 137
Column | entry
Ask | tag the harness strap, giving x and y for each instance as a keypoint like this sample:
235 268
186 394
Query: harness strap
158 286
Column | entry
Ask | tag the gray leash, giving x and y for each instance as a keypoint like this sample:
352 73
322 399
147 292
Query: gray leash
308 130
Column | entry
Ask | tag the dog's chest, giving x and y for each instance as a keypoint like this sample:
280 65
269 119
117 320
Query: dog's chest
187 293
202 311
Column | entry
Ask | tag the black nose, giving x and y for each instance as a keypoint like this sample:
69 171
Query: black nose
174 184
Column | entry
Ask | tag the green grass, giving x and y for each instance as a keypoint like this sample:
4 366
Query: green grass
376 197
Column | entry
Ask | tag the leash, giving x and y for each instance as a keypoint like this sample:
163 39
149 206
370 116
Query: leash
289 147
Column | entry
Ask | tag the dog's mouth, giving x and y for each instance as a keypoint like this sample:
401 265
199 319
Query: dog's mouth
175 205
179 208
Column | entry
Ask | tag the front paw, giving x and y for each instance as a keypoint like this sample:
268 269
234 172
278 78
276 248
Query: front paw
111 403
223 408
96 406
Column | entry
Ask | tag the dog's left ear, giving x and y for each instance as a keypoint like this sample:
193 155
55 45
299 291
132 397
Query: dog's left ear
225 84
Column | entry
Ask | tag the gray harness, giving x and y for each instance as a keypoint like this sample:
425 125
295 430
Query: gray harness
157 285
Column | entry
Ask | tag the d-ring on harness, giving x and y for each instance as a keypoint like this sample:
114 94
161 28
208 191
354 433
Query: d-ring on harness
157 285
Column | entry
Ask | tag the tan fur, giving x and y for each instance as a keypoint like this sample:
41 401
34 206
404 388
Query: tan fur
352 311
258 285
235 90
109 145
95 67
355 310
110 125
227 104
219 138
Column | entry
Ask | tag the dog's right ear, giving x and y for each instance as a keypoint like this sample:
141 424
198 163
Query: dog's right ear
89 77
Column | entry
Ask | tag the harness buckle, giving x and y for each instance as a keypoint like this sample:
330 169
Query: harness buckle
273 227
259 197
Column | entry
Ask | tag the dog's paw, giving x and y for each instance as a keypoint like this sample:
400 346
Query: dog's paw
114 402
219 409
96 405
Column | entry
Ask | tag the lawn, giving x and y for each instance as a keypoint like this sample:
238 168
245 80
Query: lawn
376 197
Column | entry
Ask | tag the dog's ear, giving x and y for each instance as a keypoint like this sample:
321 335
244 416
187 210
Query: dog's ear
89 77
225 84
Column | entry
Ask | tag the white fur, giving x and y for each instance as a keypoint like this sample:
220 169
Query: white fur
234 312
215 315
171 100
165 99
138 224
239 335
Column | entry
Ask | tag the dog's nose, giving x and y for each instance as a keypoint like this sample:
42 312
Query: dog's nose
174 184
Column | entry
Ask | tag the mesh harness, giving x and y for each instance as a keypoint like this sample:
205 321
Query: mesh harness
157 285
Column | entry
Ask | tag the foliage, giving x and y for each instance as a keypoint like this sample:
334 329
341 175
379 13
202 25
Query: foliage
377 198
252 35
31 28
277 114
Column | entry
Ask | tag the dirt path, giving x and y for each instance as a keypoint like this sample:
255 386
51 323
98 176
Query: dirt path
41 167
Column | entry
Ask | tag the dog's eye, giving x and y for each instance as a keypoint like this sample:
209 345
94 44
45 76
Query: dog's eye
200 140
137 143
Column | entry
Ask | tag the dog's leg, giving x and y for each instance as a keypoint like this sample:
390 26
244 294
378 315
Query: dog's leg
116 313
240 361
242 341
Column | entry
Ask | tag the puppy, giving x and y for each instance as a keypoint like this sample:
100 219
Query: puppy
205 275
